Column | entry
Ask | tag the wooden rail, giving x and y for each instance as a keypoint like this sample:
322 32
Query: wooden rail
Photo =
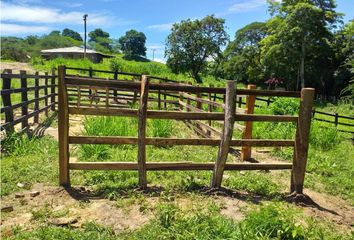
41 101
149 91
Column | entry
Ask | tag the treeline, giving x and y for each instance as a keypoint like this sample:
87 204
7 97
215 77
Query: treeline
132 44
303 44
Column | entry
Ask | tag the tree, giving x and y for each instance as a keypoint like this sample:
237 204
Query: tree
191 43
300 33
133 43
100 40
71 33
242 57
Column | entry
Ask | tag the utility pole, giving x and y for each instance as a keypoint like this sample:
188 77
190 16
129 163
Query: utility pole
153 54
85 18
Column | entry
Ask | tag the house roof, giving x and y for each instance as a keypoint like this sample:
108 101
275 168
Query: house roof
72 50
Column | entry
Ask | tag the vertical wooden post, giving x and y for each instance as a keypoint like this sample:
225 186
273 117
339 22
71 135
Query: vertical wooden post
239 102
198 106
230 109
63 128
144 93
165 98
302 140
6 99
188 102
336 119
90 75
24 98
159 97
181 100
115 78
36 96
52 91
210 109
247 134
46 92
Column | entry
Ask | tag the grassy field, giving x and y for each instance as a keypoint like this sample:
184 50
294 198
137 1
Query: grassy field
122 65
201 218
182 209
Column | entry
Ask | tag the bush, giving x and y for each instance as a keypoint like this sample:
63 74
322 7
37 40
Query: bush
324 137
285 106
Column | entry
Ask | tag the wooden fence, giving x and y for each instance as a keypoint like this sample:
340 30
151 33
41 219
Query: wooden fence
37 95
148 90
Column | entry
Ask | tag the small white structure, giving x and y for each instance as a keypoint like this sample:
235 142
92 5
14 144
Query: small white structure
74 53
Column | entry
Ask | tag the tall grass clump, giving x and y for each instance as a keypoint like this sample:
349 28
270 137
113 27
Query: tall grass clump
118 126
160 128
324 137
105 126
21 144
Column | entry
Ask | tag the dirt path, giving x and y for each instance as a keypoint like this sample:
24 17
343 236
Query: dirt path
16 67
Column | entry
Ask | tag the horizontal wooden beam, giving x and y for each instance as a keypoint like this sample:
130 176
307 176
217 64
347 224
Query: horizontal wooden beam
173 87
179 141
180 115
160 166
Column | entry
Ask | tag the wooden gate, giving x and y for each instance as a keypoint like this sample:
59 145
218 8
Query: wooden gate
149 89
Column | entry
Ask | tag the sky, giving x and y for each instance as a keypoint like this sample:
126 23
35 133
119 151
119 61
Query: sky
153 17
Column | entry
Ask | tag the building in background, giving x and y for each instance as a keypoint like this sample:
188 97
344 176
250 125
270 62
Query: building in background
74 53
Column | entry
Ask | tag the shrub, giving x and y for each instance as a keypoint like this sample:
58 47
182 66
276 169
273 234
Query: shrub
285 106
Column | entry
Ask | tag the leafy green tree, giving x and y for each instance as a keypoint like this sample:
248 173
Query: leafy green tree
344 49
133 43
299 42
13 48
71 33
100 40
191 43
242 57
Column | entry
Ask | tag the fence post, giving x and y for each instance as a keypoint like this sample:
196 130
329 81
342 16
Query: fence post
144 93
115 77
224 147
210 109
247 134
46 92
239 102
180 100
336 119
6 99
302 140
165 98
90 75
24 98
36 96
63 128
159 97
52 91
198 106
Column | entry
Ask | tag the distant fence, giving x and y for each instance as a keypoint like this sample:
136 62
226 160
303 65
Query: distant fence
37 94
336 117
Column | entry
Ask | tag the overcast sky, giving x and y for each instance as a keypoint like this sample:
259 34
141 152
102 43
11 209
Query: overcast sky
153 17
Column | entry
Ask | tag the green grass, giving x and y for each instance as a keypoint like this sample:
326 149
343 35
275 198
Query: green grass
331 154
202 220
28 160
119 63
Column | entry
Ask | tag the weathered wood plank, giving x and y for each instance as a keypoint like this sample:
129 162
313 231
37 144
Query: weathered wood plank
142 131
6 99
247 134
63 129
230 105
302 140
163 166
